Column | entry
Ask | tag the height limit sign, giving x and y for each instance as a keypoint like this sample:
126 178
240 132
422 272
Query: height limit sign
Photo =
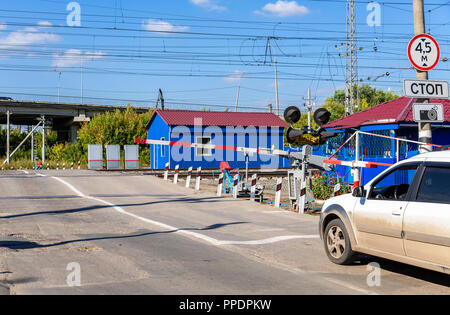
423 52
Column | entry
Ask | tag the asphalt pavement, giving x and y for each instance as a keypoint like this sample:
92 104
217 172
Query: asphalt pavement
138 234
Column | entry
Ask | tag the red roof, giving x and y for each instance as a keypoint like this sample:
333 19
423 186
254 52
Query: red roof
395 111
187 117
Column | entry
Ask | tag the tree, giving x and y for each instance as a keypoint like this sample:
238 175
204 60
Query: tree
118 127
368 97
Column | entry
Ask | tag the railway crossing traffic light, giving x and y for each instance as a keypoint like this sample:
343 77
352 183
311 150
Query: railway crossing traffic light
307 136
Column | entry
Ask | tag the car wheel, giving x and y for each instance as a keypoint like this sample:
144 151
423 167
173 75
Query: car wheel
337 243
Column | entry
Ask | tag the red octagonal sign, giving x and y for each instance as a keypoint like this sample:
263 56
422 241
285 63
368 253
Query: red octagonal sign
423 52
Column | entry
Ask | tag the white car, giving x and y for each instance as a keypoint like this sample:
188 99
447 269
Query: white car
403 214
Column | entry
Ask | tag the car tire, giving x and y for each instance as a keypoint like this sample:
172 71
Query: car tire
337 243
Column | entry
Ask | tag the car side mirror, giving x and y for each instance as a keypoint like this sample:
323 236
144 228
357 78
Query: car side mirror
358 192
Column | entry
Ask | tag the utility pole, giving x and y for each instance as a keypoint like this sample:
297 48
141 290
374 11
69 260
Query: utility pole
43 139
419 28
32 145
59 86
351 68
238 90
309 106
276 87
82 83
8 130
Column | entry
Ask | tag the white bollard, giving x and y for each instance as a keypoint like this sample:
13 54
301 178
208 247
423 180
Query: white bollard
188 178
278 192
220 185
253 188
71 166
48 166
57 166
197 180
302 194
175 177
79 164
166 172
235 183
64 166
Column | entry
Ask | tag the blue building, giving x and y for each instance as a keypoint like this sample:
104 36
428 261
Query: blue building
241 129
393 119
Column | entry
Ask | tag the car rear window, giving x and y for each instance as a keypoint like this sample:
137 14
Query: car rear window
435 185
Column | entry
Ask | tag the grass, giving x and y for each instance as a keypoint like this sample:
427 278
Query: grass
28 164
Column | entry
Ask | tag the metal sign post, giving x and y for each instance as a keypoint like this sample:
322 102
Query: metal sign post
235 183
198 178
278 192
188 178
220 185
175 176
166 172
253 188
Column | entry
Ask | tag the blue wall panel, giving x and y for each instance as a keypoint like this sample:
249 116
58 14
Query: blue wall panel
253 137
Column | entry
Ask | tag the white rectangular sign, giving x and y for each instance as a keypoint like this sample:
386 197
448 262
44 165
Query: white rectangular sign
428 112
426 89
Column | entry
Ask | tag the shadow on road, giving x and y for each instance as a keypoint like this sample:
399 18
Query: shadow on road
96 207
408 270
23 245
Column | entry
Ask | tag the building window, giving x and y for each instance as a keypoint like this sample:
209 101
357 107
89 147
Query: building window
163 148
203 151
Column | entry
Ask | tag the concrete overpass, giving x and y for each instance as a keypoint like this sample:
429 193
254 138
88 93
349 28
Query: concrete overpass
66 118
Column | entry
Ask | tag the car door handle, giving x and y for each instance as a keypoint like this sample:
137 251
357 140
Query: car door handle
397 212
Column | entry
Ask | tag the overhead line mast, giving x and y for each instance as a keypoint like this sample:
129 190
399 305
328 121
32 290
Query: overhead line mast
351 67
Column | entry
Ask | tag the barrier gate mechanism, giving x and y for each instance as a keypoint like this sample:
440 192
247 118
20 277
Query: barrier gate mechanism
95 156
301 161
113 157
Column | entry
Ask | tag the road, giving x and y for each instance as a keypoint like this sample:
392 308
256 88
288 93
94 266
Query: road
136 234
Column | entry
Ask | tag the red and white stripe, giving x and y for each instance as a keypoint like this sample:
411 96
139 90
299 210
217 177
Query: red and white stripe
356 163
263 151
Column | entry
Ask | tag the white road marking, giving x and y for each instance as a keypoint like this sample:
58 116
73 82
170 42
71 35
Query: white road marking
203 237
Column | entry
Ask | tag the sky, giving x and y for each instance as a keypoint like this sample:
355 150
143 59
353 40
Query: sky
117 52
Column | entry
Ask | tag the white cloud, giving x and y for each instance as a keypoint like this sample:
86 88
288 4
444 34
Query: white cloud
27 37
2 26
233 77
163 27
44 24
74 57
284 9
208 5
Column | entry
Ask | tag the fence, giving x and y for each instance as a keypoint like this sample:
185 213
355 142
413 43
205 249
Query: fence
380 147
113 157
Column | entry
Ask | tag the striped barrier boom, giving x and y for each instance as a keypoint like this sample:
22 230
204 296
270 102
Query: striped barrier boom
263 151
356 163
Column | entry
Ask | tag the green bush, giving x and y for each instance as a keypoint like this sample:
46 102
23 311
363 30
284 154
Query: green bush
117 128
323 185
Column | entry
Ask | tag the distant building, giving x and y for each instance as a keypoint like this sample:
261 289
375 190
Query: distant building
263 130
394 119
